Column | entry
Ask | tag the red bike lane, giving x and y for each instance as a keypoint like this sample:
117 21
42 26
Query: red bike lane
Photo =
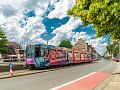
87 82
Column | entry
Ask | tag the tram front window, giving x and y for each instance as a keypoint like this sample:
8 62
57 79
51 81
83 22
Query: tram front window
30 51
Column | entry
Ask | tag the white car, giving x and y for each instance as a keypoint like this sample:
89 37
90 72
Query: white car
1 59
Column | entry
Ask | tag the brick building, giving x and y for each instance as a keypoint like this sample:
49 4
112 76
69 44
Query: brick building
16 52
14 47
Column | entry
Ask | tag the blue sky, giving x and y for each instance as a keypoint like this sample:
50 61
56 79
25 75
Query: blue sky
39 21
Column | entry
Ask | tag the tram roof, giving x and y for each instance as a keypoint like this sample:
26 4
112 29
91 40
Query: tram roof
48 46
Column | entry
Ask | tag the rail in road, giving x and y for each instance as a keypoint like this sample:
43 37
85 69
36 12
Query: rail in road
50 80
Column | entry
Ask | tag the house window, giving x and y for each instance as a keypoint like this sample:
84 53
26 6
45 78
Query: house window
83 46
83 49
15 47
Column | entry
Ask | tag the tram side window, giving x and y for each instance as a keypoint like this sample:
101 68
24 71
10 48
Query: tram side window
75 54
42 52
70 54
78 54
46 52
85 55
81 54
59 53
37 52
53 53
89 55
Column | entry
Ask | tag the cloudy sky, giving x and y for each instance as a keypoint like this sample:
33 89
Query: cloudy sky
39 21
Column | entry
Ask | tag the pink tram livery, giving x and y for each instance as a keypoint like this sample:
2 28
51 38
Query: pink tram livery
40 55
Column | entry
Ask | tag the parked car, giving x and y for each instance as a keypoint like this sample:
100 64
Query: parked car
117 60
1 59
114 59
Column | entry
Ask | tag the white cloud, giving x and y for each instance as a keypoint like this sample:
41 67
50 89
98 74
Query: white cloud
65 31
60 8
12 12
52 27
72 24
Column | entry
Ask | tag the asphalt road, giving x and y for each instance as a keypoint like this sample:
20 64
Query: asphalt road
48 80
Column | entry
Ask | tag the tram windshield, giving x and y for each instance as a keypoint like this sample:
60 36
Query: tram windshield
30 51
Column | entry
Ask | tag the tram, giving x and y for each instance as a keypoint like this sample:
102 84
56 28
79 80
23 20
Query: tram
40 55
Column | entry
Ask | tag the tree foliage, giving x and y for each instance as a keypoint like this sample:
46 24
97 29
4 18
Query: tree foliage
65 43
103 14
113 48
3 42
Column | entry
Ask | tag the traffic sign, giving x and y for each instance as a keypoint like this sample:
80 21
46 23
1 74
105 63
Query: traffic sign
10 65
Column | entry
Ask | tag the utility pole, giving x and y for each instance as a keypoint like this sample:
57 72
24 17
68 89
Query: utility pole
47 42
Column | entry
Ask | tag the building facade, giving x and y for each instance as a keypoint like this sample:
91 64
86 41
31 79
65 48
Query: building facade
106 55
16 52
81 45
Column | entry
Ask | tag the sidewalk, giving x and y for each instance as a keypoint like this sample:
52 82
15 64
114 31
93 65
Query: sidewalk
112 82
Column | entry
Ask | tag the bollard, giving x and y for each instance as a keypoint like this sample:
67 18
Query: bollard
10 66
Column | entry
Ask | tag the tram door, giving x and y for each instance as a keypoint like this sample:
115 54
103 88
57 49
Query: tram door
37 56
41 56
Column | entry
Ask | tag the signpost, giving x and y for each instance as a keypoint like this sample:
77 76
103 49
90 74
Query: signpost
10 66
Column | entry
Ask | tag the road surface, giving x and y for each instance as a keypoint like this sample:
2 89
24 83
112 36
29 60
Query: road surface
52 79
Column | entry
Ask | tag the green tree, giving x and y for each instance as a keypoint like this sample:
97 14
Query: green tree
113 48
103 14
3 42
65 43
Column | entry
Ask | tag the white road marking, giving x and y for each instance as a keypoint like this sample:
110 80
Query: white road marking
72 81
106 67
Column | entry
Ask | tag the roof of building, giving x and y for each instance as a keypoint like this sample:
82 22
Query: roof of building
14 44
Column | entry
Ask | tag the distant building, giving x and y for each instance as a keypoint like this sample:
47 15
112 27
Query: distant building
90 48
81 45
13 46
106 54
16 52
